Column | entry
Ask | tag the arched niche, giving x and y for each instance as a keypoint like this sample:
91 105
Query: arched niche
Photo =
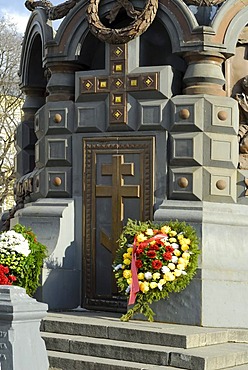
173 15
228 23
237 65
39 31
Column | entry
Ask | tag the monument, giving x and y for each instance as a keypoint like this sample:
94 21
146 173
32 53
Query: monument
131 111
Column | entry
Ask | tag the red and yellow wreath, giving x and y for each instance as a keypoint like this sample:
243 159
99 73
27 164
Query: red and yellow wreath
154 260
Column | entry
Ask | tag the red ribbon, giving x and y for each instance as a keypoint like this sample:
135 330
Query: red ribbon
135 281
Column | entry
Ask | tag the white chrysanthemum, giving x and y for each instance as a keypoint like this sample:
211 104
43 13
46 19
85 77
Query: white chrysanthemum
148 275
165 269
160 286
13 241
175 245
174 259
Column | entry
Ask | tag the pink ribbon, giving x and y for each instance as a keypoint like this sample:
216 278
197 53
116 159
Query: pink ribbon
135 281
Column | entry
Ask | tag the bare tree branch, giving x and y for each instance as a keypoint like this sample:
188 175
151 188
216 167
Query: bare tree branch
10 105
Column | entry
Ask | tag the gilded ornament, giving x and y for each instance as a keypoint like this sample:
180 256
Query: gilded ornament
142 20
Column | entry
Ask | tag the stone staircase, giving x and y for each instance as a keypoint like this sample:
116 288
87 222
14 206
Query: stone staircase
100 341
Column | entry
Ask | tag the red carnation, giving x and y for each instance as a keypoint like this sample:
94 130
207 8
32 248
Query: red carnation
138 264
169 248
139 250
167 256
154 247
156 264
151 254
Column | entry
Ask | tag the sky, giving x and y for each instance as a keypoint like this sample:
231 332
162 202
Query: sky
16 11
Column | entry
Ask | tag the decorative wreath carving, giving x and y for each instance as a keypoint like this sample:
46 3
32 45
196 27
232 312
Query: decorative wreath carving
53 12
204 2
142 20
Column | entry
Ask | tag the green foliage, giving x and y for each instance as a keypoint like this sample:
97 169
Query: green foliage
181 232
28 272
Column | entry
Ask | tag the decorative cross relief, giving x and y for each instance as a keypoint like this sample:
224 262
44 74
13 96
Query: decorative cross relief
119 83
117 192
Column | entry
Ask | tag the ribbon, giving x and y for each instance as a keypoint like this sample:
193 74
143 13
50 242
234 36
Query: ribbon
135 281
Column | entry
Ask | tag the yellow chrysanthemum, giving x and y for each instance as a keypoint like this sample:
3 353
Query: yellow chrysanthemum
184 247
149 232
172 240
181 240
171 266
144 287
177 252
180 237
186 256
181 260
172 233
162 281
165 229
156 276
141 237
153 285
126 255
187 241
168 276
177 272
129 281
127 274
181 266
127 261
141 276
130 250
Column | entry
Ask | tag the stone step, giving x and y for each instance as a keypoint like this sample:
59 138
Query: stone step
69 361
219 356
106 326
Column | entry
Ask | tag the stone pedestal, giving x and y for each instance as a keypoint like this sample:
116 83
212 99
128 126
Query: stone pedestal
52 220
21 346
217 296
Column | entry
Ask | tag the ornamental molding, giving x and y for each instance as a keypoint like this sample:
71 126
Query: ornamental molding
52 12
204 2
142 19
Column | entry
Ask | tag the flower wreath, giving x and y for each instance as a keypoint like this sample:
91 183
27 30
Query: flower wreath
21 258
154 260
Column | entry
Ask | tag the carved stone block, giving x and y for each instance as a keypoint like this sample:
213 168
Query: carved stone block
53 151
52 182
153 115
220 184
188 115
185 183
221 115
186 149
220 150
91 116
24 162
54 118
25 136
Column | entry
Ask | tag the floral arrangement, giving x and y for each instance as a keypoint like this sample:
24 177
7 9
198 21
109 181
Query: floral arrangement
21 258
154 260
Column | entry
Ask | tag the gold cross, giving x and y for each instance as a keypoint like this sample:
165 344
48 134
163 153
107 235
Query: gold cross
119 82
117 191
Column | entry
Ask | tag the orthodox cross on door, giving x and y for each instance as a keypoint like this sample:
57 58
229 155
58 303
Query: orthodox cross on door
117 191
118 83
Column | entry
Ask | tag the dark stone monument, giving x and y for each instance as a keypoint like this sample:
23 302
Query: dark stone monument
136 118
